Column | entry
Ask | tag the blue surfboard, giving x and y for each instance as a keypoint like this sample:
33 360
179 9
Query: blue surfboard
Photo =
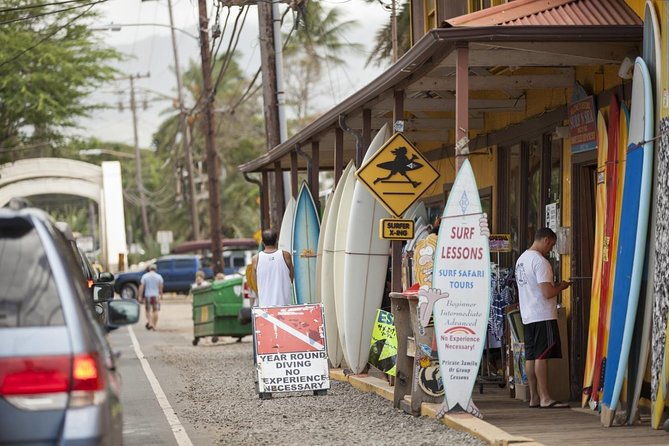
632 238
306 228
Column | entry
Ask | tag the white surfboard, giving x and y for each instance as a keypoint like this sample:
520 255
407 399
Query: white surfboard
462 273
365 267
334 346
286 232
321 245
347 184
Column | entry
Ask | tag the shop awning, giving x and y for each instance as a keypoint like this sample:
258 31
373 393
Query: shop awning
497 55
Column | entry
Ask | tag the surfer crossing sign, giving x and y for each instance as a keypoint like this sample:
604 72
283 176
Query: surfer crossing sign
397 174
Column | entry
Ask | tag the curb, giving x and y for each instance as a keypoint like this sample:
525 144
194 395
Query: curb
462 422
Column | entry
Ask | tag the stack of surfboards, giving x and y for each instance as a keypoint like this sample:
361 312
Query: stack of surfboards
632 239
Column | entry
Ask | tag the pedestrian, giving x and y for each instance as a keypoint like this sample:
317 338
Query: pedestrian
273 270
200 281
538 309
150 294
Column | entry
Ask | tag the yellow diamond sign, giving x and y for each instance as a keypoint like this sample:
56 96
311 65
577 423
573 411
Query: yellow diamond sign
397 174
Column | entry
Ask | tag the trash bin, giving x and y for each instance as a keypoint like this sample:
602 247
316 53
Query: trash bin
216 309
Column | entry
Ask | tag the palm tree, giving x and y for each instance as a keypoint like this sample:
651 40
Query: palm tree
383 49
316 43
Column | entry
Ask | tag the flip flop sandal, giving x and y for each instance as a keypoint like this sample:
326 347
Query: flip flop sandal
556 405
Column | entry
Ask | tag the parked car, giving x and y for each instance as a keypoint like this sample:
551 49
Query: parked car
178 273
58 379
237 252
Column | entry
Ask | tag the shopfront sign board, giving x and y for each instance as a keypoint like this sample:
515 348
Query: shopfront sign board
396 229
461 291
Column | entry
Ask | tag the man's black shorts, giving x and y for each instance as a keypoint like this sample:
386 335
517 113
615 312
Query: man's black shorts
542 340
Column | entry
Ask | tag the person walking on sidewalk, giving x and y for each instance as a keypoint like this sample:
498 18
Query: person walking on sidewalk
150 294
538 308
273 269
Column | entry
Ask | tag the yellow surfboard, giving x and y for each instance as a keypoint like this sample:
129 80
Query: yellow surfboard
595 292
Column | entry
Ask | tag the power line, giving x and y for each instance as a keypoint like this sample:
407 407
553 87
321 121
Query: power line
45 38
58 11
37 5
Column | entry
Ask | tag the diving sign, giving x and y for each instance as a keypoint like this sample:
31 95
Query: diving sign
397 174
394 229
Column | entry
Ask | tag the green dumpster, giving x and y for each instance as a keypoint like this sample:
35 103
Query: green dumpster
216 309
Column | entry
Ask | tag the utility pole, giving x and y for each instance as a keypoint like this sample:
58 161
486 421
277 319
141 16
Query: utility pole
273 127
185 135
393 29
213 169
138 158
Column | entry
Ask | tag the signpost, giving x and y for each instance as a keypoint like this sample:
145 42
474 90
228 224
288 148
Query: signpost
395 229
290 350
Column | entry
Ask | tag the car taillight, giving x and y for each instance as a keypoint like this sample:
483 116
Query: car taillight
90 283
47 382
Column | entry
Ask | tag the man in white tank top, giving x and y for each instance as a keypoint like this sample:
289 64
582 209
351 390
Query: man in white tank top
274 273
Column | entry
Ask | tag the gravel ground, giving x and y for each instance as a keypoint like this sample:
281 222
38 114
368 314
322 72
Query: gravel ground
220 397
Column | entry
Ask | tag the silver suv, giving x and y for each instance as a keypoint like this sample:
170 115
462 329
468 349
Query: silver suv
58 382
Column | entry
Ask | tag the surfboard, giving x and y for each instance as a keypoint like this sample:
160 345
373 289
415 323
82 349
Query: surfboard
286 231
321 244
640 351
347 184
616 151
306 228
365 266
632 241
462 273
597 304
334 345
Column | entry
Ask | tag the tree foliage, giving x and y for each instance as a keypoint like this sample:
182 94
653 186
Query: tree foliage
383 46
317 44
49 63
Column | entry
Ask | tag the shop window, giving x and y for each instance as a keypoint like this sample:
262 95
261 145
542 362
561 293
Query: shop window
534 203
514 200
477 5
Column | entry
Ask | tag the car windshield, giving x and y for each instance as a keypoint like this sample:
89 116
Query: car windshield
29 296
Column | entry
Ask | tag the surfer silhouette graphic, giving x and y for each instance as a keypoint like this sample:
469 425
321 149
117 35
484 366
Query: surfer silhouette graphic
400 165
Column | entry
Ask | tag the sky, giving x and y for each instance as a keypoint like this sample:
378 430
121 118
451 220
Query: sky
149 51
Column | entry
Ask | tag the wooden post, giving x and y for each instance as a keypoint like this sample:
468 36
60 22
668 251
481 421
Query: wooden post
338 154
264 201
366 133
461 104
404 365
396 281
278 196
315 170
293 174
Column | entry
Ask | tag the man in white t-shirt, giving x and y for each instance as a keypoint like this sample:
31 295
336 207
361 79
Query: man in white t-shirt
273 269
538 308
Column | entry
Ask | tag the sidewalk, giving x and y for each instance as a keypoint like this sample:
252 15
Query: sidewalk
508 421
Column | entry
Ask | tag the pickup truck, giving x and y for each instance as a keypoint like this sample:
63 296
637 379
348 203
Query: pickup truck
178 273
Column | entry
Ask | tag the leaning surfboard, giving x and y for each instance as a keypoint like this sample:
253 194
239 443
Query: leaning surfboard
347 184
462 273
286 232
615 155
305 245
632 241
334 345
365 266
596 303
641 339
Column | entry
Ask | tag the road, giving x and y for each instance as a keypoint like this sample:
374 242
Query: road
177 394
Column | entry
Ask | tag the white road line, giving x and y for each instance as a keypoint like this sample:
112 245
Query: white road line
178 430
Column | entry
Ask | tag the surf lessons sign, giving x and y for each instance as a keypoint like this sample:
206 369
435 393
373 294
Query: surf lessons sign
397 174
461 290
290 349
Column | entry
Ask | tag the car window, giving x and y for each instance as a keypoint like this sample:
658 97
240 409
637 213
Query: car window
163 265
29 297
183 264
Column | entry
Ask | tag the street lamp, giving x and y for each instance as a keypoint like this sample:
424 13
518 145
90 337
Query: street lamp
119 26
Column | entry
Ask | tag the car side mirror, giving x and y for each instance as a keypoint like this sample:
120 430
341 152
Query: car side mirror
122 312
102 292
105 277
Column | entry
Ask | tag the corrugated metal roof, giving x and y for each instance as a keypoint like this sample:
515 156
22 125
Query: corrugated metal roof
552 12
